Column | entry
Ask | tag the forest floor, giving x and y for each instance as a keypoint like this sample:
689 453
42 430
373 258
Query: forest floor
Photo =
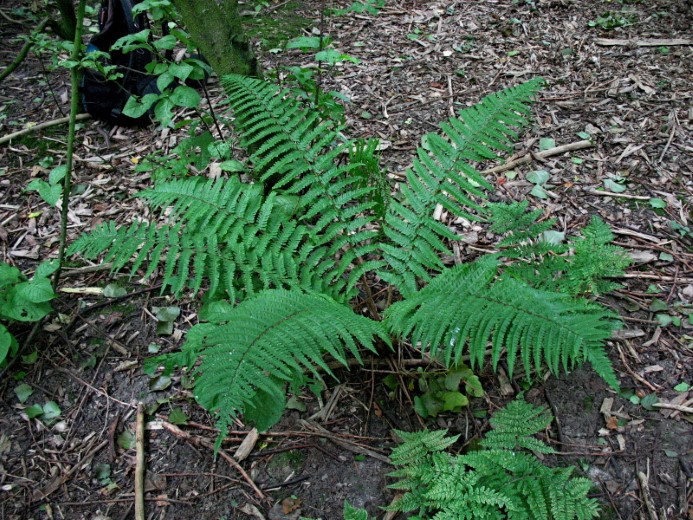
618 74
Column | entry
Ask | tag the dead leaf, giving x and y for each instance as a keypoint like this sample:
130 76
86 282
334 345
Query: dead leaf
247 446
290 504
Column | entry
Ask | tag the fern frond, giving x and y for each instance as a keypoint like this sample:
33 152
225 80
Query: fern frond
301 150
515 425
442 174
228 234
495 482
467 306
267 340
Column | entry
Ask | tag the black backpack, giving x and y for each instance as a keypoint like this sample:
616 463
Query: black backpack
103 98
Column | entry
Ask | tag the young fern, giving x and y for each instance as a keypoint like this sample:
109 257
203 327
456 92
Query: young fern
496 482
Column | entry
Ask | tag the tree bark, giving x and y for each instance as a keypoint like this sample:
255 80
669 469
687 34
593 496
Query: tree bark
65 27
215 26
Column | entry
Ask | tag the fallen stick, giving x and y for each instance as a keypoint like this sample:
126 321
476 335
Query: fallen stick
193 439
60 121
139 463
609 42
60 480
615 195
672 406
571 147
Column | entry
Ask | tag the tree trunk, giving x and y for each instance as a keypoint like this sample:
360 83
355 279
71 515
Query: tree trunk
215 25
65 27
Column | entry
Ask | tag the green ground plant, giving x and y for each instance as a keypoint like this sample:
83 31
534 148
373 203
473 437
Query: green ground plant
283 270
22 299
504 479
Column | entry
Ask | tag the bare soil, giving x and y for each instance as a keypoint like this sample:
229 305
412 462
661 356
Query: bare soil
619 71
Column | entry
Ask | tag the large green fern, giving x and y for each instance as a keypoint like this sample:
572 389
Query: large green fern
287 261
496 482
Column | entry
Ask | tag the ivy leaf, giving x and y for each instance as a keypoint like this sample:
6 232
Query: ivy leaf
546 143
538 177
177 416
7 343
23 392
614 186
33 411
539 192
126 439
453 401
306 42
51 411
113 290
57 174
137 107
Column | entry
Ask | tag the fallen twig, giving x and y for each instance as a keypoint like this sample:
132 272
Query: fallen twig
193 439
139 463
571 147
645 488
615 195
672 406
57 482
24 51
609 42
60 121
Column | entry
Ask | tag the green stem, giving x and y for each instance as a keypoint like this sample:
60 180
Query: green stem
74 110
24 51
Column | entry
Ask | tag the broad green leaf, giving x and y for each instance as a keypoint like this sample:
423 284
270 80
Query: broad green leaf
46 269
546 143
136 108
538 177
57 174
33 411
7 342
306 42
126 439
167 313
539 192
657 203
453 401
178 416
113 290
51 410
614 186
232 165
23 392
184 96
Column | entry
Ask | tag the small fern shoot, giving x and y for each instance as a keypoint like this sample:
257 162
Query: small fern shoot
496 482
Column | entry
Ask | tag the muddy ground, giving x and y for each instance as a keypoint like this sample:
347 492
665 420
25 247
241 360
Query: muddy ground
618 73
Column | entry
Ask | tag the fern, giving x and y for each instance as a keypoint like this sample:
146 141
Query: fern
265 341
442 174
582 267
495 482
469 306
288 259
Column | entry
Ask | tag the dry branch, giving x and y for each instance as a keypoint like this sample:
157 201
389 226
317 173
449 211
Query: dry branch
609 42
571 147
60 121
